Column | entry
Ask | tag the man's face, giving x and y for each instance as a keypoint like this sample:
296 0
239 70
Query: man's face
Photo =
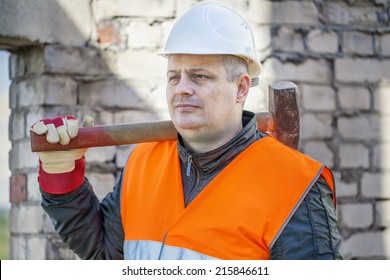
203 105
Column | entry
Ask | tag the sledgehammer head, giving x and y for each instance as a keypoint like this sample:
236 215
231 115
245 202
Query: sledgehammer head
284 108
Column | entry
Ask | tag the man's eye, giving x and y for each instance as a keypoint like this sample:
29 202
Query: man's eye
173 78
200 76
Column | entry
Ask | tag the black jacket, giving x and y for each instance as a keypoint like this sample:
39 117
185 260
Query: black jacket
93 230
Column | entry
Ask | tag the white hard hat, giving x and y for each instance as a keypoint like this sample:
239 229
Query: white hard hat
209 28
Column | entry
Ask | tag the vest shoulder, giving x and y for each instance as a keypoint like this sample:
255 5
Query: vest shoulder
273 149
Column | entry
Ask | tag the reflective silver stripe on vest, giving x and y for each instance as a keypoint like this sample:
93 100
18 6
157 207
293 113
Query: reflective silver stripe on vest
153 250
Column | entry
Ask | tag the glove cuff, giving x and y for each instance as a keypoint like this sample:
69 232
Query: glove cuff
62 183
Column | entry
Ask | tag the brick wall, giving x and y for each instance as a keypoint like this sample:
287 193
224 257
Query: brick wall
99 57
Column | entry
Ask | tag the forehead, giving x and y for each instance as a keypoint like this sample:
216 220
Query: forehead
209 62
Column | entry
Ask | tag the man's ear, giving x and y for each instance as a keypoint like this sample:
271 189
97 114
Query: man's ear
243 85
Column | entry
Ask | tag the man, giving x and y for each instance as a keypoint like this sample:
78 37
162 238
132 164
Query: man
223 190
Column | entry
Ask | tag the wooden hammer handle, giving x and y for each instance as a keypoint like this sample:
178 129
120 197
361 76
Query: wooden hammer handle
123 134
282 121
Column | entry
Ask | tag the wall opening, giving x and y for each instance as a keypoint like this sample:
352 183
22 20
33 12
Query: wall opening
5 147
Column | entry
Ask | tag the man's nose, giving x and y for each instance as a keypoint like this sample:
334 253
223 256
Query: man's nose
184 87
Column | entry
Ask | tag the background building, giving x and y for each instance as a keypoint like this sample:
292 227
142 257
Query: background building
98 57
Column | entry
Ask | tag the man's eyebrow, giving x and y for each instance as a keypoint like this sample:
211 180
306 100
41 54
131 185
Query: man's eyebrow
191 70
172 71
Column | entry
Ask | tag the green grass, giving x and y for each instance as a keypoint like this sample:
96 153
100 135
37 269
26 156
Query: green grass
4 234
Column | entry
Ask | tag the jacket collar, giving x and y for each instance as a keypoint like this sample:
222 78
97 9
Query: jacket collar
221 156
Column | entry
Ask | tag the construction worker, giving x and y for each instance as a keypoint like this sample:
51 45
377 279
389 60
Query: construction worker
223 190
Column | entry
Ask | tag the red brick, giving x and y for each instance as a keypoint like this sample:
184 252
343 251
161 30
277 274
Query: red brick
18 188
108 33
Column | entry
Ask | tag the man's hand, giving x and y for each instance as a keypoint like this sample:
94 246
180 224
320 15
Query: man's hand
61 171
60 130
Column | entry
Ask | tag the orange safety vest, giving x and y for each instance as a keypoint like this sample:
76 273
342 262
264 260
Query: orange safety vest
238 215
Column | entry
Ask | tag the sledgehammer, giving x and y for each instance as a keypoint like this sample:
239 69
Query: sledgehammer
282 121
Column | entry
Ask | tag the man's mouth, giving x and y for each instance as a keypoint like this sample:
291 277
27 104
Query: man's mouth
186 107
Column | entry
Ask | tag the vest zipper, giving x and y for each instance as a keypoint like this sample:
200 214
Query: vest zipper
189 162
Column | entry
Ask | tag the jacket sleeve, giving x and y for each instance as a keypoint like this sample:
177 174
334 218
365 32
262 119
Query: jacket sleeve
312 233
93 230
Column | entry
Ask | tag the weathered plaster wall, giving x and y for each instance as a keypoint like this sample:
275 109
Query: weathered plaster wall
99 57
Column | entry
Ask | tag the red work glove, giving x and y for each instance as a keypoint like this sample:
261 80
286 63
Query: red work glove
61 171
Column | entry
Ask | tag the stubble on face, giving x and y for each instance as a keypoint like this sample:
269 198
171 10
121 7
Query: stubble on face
200 99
